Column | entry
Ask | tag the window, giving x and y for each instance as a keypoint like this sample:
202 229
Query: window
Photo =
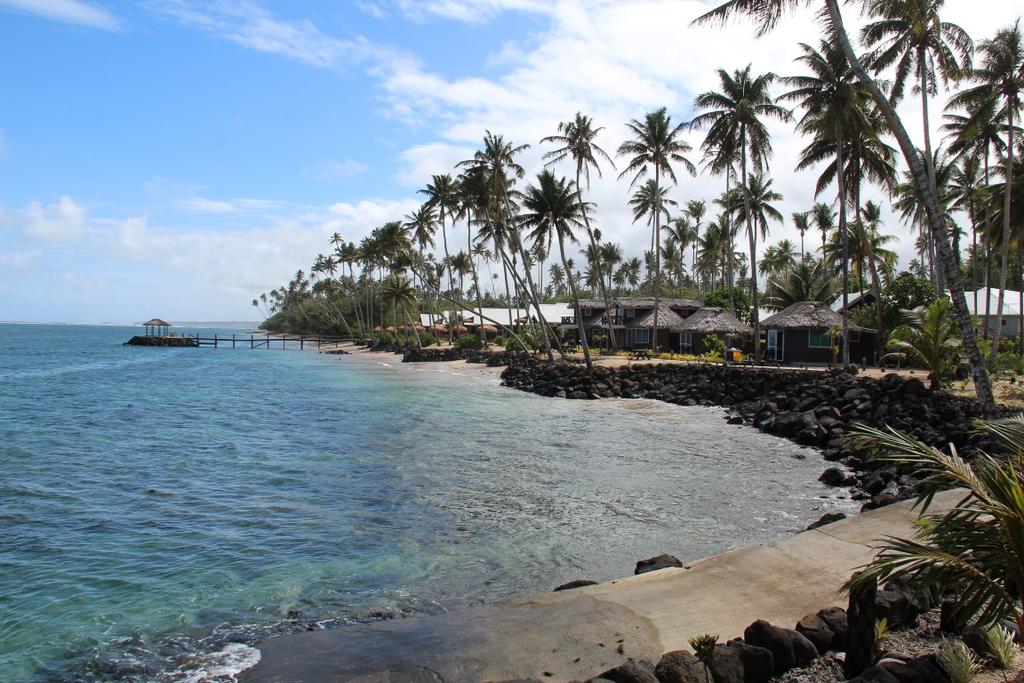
642 336
685 341
818 339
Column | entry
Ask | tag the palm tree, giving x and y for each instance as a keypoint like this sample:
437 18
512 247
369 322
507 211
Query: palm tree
911 35
611 256
576 138
778 259
767 14
735 117
999 82
975 548
696 209
497 160
553 206
808 281
802 223
401 295
930 339
422 224
754 209
656 145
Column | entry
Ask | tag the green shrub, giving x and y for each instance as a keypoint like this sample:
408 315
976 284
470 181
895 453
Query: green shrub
427 339
1000 644
385 338
957 661
468 341
499 341
714 346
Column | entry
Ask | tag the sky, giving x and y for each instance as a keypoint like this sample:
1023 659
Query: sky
176 158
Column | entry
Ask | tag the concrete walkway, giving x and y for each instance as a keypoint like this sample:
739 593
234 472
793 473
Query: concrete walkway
579 633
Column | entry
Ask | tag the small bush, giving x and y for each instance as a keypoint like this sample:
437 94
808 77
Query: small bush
1000 644
881 631
385 338
427 339
714 346
957 661
499 341
468 341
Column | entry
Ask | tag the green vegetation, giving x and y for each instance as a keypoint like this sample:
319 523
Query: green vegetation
1000 644
930 339
468 341
975 548
957 660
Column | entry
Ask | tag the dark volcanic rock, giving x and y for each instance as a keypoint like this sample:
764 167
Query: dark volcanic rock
814 629
655 563
860 635
578 583
680 666
727 665
632 671
789 649
835 618
826 519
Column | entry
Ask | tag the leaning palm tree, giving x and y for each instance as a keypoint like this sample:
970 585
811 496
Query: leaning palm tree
553 206
576 140
767 14
976 548
735 117
656 145
999 83
754 209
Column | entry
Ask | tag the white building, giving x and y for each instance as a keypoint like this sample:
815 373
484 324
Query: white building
1011 310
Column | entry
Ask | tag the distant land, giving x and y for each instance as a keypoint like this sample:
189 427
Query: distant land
229 324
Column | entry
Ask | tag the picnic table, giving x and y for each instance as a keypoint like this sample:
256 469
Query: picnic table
640 354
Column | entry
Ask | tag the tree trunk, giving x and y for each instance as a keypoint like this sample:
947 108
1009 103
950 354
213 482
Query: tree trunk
1005 256
752 239
657 256
576 301
448 267
982 382
844 235
593 245
988 253
476 278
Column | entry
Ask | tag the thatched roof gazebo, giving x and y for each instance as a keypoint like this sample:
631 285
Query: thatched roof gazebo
713 320
156 327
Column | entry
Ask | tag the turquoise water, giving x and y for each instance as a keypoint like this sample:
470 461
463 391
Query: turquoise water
161 508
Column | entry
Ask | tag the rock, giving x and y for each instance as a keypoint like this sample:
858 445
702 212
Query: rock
920 670
727 665
875 674
975 639
758 662
578 583
879 501
789 649
833 476
826 519
835 618
655 563
632 671
895 607
860 636
680 666
951 617
814 629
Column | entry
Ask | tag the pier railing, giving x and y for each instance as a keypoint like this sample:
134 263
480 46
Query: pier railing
269 341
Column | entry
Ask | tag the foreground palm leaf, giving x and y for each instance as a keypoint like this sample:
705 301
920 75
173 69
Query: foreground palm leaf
977 547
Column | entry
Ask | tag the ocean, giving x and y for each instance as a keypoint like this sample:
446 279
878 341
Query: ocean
162 509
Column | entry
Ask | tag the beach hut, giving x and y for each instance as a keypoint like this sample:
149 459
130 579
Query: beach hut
156 327
712 320
804 333
640 329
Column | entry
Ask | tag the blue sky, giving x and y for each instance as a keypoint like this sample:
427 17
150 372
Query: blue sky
177 158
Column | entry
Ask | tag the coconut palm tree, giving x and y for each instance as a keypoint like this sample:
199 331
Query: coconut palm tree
767 14
975 548
754 209
655 146
652 202
576 140
778 259
497 161
399 293
809 280
998 84
422 224
802 223
931 339
553 206
735 117
611 256
695 208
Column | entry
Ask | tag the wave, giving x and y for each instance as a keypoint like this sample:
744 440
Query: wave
88 367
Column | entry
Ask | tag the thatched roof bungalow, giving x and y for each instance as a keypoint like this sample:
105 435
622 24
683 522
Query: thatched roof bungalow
804 333
712 320
157 327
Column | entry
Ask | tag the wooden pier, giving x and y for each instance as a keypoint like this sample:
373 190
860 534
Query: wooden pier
251 341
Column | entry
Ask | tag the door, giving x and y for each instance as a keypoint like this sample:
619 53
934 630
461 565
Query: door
774 346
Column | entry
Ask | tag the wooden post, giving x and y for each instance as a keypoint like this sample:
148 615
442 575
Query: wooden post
232 341
214 340
302 340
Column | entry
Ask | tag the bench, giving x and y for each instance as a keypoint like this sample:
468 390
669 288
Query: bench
640 354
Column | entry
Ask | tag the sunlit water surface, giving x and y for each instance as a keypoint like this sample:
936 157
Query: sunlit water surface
161 508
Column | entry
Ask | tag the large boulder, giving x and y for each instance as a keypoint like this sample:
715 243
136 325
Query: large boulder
920 670
789 648
680 666
658 562
835 618
896 607
632 671
758 662
727 665
814 629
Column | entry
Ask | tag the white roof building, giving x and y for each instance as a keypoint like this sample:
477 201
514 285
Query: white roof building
553 313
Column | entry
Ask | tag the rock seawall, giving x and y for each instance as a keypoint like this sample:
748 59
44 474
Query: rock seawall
161 341
809 407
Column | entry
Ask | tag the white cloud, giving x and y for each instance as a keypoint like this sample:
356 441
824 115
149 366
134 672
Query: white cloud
64 220
248 23
419 163
20 260
66 11
197 204
470 11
